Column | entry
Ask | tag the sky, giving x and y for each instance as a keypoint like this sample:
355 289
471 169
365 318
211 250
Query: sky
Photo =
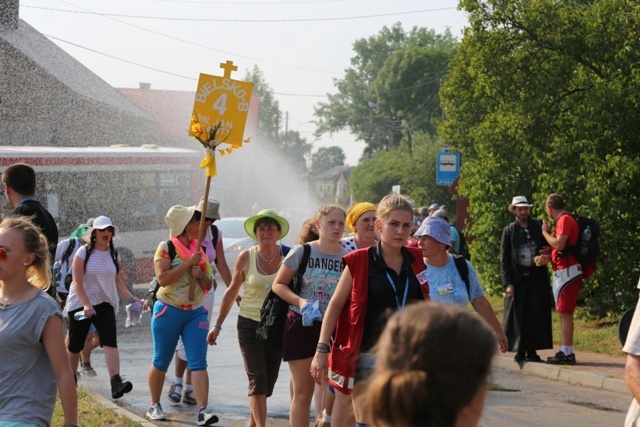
301 46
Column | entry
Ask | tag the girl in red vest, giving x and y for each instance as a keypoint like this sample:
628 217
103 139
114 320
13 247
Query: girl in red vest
376 281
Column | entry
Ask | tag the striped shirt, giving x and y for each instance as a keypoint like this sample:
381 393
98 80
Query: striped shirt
99 281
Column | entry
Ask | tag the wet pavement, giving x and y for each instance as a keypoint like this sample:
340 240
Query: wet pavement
228 381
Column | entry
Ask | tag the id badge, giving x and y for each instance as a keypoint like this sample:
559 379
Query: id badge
445 289
422 277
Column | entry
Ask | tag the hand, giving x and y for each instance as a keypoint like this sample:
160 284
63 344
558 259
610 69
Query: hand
212 336
196 272
503 343
510 290
145 306
89 311
546 250
319 367
545 226
195 257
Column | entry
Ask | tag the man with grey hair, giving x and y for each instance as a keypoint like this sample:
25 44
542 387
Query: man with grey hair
527 304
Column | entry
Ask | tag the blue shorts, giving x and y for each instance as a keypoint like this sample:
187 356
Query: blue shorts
170 323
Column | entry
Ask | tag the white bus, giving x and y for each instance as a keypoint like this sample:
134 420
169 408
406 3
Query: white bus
134 186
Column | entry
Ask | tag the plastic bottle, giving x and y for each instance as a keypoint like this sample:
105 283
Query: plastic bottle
81 316
586 237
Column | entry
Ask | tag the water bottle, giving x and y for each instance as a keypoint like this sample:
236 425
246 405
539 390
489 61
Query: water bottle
586 237
81 316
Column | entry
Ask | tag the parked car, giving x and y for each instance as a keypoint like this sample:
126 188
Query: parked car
234 237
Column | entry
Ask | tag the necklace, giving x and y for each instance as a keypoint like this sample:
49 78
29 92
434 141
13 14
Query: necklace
4 306
268 261
261 270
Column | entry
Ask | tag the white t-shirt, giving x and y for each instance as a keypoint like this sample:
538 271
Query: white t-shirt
99 281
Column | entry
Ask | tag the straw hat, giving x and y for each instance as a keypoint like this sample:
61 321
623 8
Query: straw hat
518 201
177 218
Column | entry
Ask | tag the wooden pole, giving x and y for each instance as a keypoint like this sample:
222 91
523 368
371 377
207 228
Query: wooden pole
201 233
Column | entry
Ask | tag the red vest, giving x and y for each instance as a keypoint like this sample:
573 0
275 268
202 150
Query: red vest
350 325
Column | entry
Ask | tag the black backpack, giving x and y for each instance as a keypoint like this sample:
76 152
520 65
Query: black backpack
154 285
587 249
463 270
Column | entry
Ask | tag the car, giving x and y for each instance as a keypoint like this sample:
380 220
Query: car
234 238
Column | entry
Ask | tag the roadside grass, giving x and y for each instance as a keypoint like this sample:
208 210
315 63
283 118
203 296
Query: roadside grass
92 413
594 336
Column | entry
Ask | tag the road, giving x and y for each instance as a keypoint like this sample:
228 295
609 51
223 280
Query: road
514 400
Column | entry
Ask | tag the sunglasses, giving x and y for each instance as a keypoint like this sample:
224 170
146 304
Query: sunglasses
109 229
4 254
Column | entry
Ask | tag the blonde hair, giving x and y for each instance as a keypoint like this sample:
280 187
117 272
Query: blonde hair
432 359
39 271
393 202
327 209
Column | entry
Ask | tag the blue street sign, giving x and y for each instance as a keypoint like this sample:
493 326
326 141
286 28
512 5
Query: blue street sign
447 168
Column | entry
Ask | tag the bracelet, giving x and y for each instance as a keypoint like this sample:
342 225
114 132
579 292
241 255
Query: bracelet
217 325
323 348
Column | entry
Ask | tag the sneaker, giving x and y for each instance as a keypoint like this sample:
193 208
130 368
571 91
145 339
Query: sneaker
119 387
88 371
155 412
174 394
206 418
562 359
189 398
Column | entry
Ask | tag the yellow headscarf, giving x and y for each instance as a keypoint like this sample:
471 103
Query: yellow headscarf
356 212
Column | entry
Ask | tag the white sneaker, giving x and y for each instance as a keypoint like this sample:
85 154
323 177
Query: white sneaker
155 412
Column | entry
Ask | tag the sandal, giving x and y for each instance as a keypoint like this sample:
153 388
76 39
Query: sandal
175 393
189 398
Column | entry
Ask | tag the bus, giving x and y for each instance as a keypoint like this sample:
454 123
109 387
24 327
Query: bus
134 186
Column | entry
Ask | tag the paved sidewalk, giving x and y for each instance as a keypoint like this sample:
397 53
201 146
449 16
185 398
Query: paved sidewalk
592 370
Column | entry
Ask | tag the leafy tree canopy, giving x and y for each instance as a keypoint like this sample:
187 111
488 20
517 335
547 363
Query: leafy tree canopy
326 158
391 88
543 97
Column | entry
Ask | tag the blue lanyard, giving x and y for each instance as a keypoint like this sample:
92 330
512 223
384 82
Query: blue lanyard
395 290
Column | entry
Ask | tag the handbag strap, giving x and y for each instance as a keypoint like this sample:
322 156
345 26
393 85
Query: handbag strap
297 283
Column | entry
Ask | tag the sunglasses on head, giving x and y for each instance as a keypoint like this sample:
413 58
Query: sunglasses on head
109 229
4 253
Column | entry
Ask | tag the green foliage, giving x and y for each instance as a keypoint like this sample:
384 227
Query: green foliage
326 158
270 115
543 97
391 89
415 172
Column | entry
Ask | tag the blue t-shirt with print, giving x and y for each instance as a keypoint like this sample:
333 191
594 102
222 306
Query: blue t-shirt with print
446 285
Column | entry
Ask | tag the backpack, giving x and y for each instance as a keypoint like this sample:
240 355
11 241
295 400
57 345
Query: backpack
587 249
463 270
273 313
154 286
57 266
214 240
464 247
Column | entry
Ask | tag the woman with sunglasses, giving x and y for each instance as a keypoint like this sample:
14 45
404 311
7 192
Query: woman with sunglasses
31 333
214 249
179 312
94 291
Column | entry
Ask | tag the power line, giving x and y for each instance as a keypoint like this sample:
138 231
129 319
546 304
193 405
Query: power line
137 64
346 18
199 45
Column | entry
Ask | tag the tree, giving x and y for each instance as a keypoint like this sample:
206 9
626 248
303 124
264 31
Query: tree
373 178
391 90
543 97
270 114
326 158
